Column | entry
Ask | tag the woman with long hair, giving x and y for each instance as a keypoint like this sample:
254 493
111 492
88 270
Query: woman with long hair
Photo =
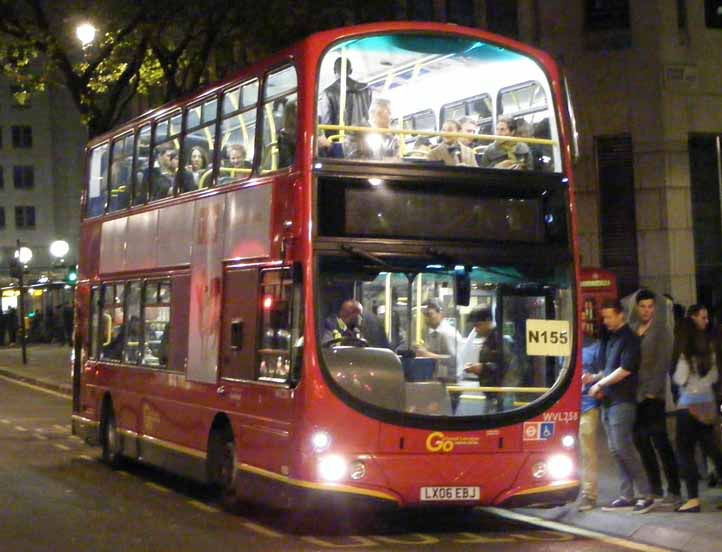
695 374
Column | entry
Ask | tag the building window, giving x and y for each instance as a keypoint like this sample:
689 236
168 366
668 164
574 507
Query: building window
615 166
605 15
502 18
1 137
462 12
2 218
24 217
2 177
23 177
713 13
22 136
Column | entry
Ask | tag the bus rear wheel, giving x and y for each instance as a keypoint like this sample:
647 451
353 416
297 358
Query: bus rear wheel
109 437
222 467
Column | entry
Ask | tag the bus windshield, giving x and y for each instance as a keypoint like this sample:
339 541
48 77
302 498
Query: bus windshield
436 100
434 338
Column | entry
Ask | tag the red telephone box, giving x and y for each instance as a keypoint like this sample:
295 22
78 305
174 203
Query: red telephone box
597 285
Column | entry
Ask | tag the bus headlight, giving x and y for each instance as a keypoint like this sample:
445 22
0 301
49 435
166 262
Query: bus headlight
560 466
332 467
568 441
320 441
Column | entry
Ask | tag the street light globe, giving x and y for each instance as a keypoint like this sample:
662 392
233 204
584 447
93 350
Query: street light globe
24 255
85 33
59 248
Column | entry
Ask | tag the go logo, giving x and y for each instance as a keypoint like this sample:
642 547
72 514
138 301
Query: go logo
438 442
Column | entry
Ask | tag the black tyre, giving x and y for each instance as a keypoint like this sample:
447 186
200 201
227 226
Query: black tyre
222 467
109 438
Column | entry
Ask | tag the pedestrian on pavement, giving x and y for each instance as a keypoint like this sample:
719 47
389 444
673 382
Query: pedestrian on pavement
11 321
616 386
650 430
589 427
696 372
3 324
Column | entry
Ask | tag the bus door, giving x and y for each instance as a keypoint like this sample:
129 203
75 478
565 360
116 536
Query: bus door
255 363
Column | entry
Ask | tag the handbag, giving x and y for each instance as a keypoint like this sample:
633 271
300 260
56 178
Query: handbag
704 412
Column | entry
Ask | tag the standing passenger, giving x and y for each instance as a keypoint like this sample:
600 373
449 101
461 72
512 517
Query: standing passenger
443 342
650 431
616 384
589 427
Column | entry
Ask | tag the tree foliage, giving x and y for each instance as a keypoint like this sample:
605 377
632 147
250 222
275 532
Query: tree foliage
160 50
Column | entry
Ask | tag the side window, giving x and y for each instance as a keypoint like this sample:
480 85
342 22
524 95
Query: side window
156 315
199 146
165 157
527 104
121 167
280 115
97 181
276 339
132 345
95 308
142 166
112 325
238 132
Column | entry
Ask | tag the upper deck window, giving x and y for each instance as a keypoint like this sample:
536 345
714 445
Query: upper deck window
97 183
238 132
370 88
280 112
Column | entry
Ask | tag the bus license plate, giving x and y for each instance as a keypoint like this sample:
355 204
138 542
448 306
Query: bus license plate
449 493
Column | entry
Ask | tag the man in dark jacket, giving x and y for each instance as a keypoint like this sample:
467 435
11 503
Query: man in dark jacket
616 384
358 100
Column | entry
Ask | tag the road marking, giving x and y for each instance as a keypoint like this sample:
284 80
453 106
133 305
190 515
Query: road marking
356 542
61 427
85 457
262 530
21 428
61 447
4 421
40 436
578 531
36 388
155 486
202 506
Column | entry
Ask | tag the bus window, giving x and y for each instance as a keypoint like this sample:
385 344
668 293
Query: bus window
112 322
238 132
275 342
121 166
452 76
198 146
132 344
93 329
142 166
156 317
98 183
165 158
280 112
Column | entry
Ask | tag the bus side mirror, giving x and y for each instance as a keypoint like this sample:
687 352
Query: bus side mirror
462 288
237 334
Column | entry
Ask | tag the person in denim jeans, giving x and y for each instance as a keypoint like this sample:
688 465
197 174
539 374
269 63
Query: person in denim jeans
616 385
589 428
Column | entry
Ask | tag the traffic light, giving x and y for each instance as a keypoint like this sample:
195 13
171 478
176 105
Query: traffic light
16 269
72 276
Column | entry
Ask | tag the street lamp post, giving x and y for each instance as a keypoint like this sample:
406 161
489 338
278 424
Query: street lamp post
23 255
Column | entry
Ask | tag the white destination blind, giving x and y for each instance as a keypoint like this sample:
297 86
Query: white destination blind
548 338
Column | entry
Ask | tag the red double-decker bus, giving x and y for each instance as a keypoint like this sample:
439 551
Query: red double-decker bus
347 275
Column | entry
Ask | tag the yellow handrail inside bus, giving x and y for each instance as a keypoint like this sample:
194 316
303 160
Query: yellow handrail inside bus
433 133
205 176
108 328
487 389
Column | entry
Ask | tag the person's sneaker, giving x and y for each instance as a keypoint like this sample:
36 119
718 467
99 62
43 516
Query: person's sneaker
643 505
619 505
586 504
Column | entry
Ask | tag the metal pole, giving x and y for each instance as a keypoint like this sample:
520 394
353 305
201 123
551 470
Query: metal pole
21 285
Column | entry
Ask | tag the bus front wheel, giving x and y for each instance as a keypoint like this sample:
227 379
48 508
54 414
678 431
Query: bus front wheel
222 467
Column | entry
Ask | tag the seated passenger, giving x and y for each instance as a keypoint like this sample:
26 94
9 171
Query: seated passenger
163 172
236 160
469 126
506 154
195 169
346 324
421 148
375 145
451 151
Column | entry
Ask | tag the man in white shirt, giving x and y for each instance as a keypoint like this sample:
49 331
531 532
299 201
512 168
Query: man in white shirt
442 342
